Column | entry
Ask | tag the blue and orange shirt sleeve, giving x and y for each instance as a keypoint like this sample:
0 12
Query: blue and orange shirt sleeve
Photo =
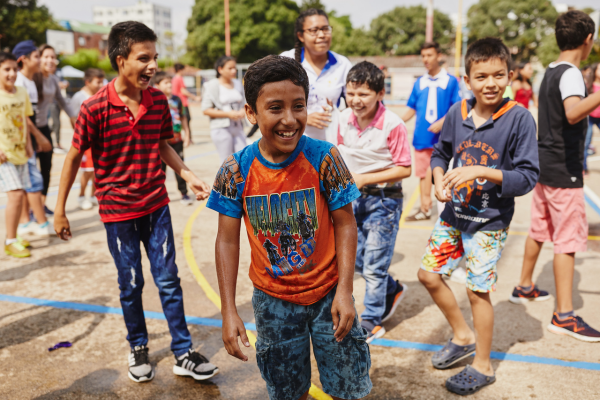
336 181
226 195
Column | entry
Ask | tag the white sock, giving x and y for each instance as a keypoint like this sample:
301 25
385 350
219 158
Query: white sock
10 241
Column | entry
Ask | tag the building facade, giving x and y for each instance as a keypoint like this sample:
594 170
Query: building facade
157 18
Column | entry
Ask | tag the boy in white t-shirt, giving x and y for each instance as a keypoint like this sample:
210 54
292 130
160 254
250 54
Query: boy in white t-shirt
373 143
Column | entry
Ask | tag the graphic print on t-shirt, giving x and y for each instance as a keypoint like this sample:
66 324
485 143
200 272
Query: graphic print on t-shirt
286 222
471 195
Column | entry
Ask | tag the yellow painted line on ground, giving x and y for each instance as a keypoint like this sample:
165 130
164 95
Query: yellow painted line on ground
412 201
314 391
409 206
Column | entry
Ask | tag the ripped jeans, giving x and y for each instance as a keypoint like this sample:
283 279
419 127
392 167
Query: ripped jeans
156 233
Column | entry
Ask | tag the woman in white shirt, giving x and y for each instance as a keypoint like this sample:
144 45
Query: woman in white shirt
326 71
223 101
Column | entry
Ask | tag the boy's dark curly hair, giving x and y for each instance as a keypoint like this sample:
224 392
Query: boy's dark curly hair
369 73
272 69
572 28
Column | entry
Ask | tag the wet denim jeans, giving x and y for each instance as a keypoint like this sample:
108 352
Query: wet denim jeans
285 331
377 218
156 233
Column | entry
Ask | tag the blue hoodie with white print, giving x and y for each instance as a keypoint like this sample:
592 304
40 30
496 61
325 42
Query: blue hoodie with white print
507 142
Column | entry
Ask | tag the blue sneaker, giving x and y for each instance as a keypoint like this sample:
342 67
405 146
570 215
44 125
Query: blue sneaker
49 213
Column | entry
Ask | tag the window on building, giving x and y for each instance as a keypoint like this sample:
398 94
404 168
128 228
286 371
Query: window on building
81 41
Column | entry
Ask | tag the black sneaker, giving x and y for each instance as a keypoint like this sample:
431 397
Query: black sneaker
519 296
392 301
140 369
195 365
48 212
373 331
575 327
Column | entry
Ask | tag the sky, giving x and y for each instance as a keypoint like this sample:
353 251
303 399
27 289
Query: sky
360 13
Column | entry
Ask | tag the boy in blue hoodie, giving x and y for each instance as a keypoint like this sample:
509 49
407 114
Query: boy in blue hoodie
493 143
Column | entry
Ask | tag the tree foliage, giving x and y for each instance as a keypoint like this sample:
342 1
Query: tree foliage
306 4
523 25
86 58
401 31
23 20
258 28
349 41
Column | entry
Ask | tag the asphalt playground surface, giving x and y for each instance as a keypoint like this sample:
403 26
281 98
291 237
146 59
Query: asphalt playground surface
67 291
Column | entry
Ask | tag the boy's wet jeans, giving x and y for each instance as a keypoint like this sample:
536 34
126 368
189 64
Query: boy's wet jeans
156 233
377 218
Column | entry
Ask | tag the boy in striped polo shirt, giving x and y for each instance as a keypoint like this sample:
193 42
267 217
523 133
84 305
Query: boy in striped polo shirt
127 124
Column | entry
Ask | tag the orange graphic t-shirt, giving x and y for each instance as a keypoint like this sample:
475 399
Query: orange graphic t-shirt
286 208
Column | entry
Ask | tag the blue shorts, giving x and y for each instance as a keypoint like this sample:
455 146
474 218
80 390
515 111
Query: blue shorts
283 349
35 177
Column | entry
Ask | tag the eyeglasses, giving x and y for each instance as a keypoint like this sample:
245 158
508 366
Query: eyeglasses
315 31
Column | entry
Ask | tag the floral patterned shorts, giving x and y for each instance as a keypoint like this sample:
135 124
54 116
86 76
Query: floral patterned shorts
447 246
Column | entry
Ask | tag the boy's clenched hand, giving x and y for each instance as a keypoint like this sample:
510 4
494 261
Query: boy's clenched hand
460 175
62 226
233 326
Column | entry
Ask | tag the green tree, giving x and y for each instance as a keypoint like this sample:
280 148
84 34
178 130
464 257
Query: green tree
523 25
258 28
306 4
401 31
349 41
86 58
22 20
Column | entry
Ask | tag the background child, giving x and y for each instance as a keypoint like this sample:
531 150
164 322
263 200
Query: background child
295 195
432 96
162 81
28 60
558 204
373 143
124 119
94 80
15 149
493 144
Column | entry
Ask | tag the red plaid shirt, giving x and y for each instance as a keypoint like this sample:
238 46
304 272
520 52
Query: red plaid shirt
125 150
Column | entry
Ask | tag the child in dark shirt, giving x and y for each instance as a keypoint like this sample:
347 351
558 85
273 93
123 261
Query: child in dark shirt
558 205
495 160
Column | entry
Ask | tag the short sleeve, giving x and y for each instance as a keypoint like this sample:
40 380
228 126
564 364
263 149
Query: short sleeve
226 195
337 182
166 127
398 145
85 129
206 101
455 97
571 84
412 100
28 107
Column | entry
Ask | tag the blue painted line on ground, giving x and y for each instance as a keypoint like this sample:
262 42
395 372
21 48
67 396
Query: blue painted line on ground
250 326
591 203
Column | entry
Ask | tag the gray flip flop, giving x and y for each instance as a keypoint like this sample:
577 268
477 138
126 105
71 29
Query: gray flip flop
451 354
468 381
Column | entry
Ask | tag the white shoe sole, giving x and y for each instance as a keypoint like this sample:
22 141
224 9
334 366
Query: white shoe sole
378 335
562 331
141 379
523 300
184 372
393 310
